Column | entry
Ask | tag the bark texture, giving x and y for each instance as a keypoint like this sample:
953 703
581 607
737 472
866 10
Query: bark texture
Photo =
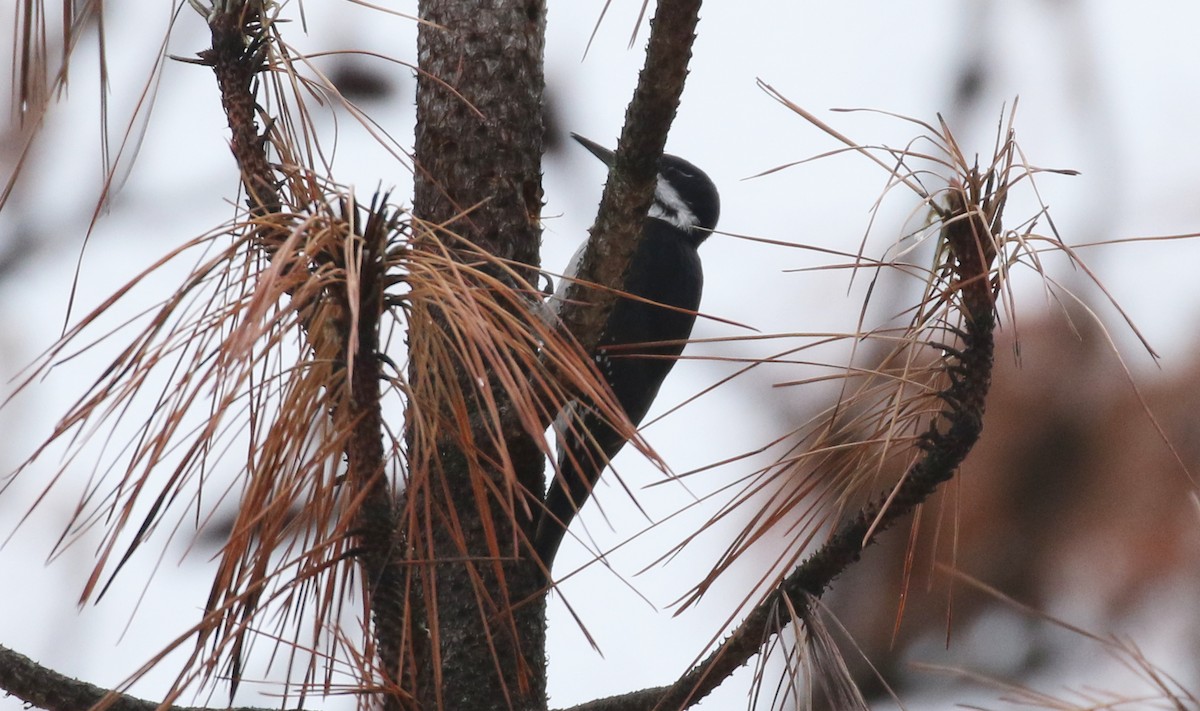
479 142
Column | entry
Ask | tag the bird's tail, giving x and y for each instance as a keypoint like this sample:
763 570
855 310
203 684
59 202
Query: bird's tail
586 444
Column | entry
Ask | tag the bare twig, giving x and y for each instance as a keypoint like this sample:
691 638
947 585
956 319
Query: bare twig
630 186
45 688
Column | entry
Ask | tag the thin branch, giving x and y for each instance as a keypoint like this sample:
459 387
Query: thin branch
45 688
630 186
377 520
238 41
945 444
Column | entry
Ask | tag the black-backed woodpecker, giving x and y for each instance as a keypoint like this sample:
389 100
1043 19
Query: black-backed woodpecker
641 339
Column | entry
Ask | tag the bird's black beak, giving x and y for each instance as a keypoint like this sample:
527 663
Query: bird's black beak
597 150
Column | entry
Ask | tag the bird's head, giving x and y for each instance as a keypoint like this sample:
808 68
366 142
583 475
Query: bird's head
684 196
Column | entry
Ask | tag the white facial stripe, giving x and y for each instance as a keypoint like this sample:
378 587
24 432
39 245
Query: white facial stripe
669 207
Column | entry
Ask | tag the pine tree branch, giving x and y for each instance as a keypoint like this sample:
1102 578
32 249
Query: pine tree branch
630 186
377 520
946 443
944 453
45 688
238 40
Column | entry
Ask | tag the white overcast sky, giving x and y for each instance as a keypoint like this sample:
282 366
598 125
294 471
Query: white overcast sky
1107 88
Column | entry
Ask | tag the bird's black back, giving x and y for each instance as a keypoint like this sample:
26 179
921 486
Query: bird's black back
637 349
654 276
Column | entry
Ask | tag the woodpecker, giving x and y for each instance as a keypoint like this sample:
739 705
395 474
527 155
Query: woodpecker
666 276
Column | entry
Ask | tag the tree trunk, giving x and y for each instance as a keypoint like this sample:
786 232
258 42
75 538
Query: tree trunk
479 143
